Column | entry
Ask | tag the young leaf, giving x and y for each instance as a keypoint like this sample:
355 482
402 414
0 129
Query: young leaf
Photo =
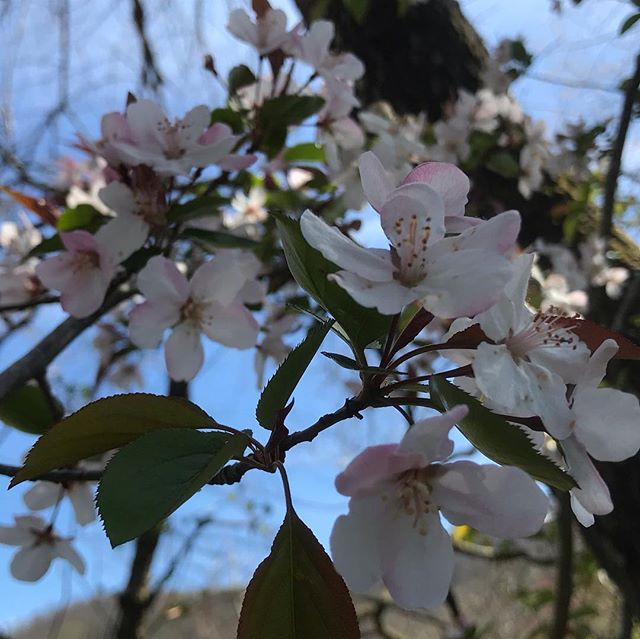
279 388
352 364
28 410
310 270
629 22
306 152
77 218
296 592
593 335
497 439
153 476
107 424
239 77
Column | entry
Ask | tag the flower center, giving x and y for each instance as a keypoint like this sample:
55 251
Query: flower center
173 148
192 312
409 245
414 495
540 333
85 260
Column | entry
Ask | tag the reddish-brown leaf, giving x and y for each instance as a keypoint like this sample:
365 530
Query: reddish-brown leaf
46 211
593 335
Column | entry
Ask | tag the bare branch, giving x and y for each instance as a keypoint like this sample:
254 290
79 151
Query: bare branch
611 182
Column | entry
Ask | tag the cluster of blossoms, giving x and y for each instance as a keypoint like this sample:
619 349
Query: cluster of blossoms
465 273
527 365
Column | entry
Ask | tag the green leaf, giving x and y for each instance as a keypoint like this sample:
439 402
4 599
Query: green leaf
218 239
198 207
296 592
310 270
290 109
503 164
357 8
229 117
28 410
278 113
48 245
629 22
307 152
153 476
279 388
106 424
239 77
77 218
352 364
497 439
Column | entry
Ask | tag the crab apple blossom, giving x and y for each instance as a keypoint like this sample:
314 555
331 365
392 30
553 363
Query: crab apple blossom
524 371
44 494
82 273
393 530
266 34
450 277
591 407
39 546
144 135
139 210
210 303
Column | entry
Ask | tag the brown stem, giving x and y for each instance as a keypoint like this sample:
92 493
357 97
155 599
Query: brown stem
611 182
35 362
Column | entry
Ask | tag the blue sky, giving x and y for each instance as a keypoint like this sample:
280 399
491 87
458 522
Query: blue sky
581 45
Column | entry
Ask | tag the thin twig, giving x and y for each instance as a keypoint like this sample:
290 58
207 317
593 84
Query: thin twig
611 181
35 362
564 574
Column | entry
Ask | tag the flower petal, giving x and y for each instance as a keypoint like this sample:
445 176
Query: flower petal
31 563
447 180
160 279
42 494
607 423
430 437
356 545
388 297
596 369
340 250
183 352
148 321
65 550
592 494
417 568
233 326
372 467
500 501
376 183
82 501
463 283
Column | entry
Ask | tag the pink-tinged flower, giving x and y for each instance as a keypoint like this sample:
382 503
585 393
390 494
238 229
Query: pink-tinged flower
39 546
138 211
450 277
45 494
82 273
393 530
210 303
266 34
525 370
606 425
144 135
